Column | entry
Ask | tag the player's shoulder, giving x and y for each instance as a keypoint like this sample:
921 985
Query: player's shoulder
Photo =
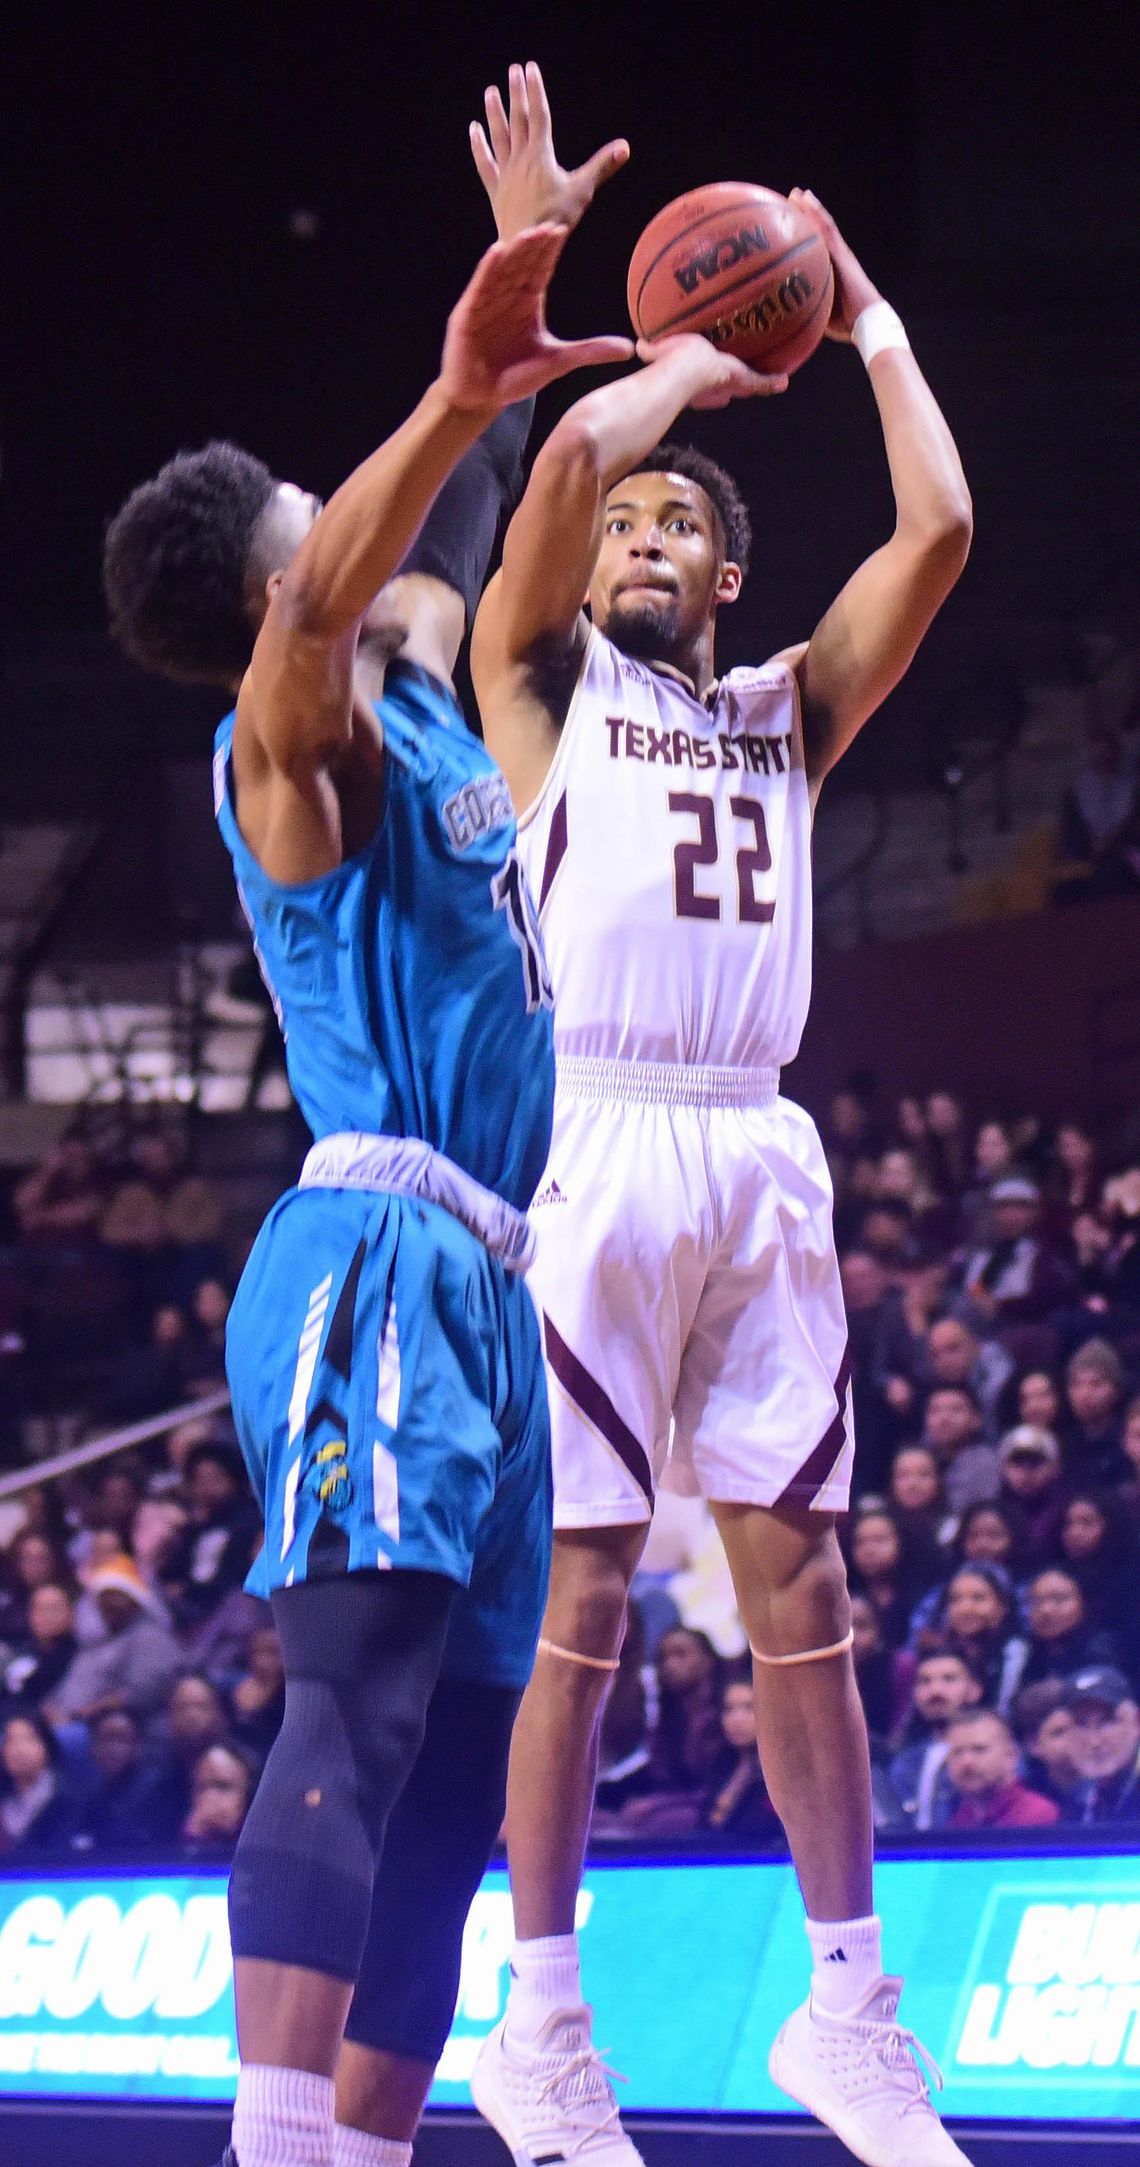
776 675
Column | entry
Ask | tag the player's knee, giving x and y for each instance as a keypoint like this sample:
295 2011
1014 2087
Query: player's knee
588 1599
815 1594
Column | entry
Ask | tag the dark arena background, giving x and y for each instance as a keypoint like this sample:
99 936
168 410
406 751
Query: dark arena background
251 223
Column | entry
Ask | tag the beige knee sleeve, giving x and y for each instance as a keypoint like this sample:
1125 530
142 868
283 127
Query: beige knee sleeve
571 1655
809 1655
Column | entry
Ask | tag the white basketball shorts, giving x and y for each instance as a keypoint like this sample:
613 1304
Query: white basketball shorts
689 1287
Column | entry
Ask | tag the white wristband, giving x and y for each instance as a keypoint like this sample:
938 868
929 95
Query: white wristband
878 327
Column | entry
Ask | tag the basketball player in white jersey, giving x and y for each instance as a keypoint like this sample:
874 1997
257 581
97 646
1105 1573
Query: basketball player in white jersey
686 1261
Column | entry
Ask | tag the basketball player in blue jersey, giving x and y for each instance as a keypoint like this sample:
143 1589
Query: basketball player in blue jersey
383 1349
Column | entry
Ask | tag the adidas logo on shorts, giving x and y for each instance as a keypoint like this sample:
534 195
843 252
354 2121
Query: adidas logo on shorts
552 1194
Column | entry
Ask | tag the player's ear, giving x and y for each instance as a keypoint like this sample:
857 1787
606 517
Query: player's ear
272 584
729 584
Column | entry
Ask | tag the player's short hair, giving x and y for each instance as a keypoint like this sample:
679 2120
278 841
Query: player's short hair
175 564
719 488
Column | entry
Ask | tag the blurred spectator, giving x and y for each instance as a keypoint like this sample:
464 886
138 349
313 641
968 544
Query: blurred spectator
39 1662
1072 1183
1091 1429
918 1498
36 1807
886 1567
1044 1725
989 1534
1107 1749
1039 1399
947 1143
213 1552
1032 1487
982 1763
954 1355
879 1344
1062 1637
884 1675
195 1718
115 1499
1100 822
686 1739
64 1199
1098 1547
258 1699
737 1803
222 1784
34 1561
944 1687
1014 1276
952 1427
1129 1492
624 1772
135 1663
977 1617
123 1807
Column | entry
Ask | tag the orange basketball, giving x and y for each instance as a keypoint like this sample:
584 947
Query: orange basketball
742 265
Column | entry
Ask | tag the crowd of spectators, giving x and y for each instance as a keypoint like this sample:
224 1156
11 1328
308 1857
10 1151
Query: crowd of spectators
113 1282
992 1277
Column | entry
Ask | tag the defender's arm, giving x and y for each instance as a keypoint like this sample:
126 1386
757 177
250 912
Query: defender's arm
867 640
436 595
296 700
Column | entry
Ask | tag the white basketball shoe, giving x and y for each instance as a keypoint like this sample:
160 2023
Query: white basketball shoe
862 2075
552 2101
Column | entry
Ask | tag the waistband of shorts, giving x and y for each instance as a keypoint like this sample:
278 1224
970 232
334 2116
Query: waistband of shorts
665 1083
405 1166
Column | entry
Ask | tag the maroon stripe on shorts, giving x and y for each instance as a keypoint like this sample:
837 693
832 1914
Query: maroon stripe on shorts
555 849
809 1479
597 1406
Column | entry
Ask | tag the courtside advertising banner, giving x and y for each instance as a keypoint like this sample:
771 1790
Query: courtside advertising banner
1023 1980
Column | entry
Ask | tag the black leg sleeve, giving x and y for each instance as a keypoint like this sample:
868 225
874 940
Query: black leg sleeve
439 1839
457 537
362 1654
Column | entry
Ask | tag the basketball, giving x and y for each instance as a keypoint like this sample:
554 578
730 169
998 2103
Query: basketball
740 264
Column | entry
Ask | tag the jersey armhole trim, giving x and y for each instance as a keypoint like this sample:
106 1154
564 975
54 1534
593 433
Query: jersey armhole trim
240 850
532 811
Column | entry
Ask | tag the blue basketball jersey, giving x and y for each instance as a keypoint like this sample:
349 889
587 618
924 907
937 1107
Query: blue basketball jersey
410 982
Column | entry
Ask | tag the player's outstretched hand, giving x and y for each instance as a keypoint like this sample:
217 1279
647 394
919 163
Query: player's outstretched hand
498 348
514 157
717 378
854 291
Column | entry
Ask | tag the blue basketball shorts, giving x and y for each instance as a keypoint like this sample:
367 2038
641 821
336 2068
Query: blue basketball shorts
388 1390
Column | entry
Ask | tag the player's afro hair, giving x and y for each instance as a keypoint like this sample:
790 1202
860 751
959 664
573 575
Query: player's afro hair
718 487
175 563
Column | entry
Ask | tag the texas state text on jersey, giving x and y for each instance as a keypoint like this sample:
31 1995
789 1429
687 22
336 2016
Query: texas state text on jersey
670 855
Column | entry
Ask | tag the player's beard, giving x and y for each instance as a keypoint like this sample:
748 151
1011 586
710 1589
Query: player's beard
648 631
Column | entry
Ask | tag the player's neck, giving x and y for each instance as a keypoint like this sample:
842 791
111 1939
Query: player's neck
693 664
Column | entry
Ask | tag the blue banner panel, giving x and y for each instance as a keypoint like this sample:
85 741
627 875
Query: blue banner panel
1023 1980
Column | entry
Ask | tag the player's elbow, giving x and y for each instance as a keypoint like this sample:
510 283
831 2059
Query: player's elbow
941 536
571 458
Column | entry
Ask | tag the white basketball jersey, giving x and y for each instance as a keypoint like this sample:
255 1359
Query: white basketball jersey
669 852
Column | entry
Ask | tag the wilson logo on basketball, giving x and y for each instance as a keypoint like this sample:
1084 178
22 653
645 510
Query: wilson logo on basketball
790 297
710 262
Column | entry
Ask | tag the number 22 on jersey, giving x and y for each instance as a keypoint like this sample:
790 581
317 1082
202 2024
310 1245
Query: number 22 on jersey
691 854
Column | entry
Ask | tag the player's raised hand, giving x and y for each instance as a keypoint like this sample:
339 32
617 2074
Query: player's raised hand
514 157
498 347
854 291
717 378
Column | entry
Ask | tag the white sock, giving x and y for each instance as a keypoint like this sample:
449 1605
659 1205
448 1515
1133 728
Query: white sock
283 2117
355 2148
545 1976
848 1960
